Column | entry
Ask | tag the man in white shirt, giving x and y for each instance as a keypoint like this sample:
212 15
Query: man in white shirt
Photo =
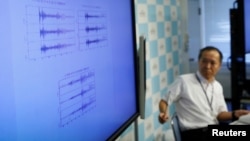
199 98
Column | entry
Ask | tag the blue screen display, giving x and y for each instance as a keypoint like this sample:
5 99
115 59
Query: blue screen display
67 69
247 23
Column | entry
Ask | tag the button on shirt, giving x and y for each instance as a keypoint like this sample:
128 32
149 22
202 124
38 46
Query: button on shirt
193 107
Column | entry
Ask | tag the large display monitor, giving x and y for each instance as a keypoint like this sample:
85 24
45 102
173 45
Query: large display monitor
245 4
244 32
67 69
240 52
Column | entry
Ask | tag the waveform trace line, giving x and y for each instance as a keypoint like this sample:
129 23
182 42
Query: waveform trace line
45 48
89 16
94 41
43 15
58 31
96 28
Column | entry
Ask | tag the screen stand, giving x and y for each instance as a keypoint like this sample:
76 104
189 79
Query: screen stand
142 75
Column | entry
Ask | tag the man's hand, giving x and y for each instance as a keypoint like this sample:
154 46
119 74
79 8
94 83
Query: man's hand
163 107
163 117
240 112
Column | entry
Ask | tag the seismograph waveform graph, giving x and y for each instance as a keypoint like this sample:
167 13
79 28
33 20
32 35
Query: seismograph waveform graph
50 32
77 95
93 29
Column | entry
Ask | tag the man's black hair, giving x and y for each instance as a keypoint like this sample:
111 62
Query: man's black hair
210 48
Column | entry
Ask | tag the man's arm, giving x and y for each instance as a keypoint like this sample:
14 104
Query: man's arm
163 108
224 116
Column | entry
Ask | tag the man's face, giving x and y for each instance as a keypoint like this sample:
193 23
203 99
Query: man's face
209 64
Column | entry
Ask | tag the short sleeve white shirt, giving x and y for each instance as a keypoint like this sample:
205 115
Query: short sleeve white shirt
197 103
